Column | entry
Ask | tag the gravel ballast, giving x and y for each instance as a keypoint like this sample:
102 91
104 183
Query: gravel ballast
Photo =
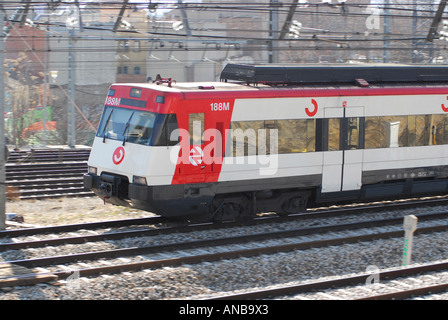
207 279
203 280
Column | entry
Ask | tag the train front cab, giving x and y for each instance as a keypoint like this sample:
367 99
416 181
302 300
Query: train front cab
132 144
158 159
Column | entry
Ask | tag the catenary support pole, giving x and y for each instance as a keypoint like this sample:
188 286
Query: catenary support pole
71 133
2 126
386 42
273 30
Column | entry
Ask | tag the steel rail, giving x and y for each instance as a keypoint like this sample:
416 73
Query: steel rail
26 168
79 226
405 294
123 252
335 283
255 294
190 228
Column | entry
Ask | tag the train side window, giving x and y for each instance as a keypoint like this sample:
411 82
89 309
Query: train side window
353 133
440 129
411 133
272 137
296 136
244 138
445 129
267 139
422 124
373 133
196 128
171 129
334 134
406 131
167 133
387 132
424 130
310 135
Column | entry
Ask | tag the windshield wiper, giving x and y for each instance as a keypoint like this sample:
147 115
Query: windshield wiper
126 128
105 126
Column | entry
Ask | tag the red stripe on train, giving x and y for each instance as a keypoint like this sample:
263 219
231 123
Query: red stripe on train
202 162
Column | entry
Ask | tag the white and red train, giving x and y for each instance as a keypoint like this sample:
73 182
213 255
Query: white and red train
273 139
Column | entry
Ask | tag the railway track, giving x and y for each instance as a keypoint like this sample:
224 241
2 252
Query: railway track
336 288
231 254
149 231
192 251
46 173
48 155
320 213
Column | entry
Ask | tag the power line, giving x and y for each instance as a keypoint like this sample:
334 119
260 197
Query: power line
257 7
213 37
342 40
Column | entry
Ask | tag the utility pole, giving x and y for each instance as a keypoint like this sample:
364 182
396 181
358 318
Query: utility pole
189 68
414 31
288 20
184 18
436 21
431 45
2 125
71 134
386 43
74 22
45 102
273 30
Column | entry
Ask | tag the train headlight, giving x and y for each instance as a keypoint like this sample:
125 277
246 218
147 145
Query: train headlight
139 180
93 170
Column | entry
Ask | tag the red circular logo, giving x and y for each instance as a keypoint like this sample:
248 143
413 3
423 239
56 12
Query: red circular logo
118 155
314 111
196 155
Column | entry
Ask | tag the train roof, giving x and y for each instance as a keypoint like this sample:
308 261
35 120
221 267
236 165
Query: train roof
297 79
334 74
190 86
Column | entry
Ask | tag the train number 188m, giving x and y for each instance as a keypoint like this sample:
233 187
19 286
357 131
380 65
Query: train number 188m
220 106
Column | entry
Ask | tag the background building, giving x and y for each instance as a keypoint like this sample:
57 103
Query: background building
88 45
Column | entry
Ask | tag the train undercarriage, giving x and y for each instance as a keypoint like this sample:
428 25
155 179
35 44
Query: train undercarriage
204 202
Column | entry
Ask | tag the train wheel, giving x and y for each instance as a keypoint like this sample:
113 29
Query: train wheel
227 212
293 205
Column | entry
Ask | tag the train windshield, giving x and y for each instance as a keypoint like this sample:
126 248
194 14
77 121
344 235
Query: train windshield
133 126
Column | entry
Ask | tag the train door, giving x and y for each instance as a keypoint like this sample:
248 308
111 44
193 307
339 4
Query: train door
197 166
333 154
342 160
353 148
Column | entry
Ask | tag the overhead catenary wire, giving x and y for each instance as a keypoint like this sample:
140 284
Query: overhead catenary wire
258 7
312 36
194 40
255 7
